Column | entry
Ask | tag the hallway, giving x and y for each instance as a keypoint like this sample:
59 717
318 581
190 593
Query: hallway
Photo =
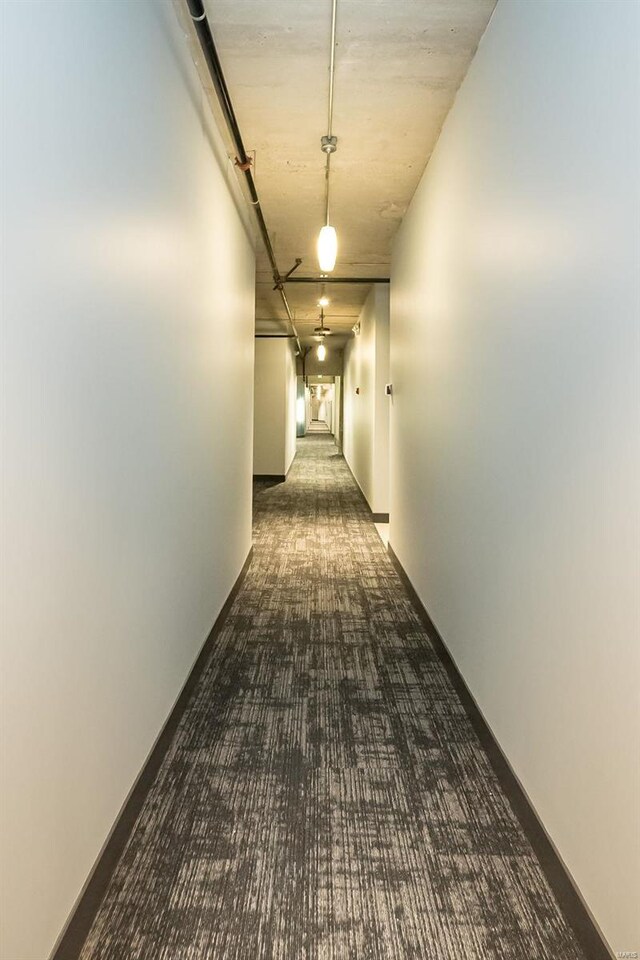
325 795
318 426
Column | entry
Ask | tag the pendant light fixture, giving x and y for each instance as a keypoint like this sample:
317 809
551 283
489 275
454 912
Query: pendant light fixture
327 248
320 333
328 238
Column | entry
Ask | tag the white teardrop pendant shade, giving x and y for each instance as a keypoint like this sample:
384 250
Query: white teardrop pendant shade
327 249
322 351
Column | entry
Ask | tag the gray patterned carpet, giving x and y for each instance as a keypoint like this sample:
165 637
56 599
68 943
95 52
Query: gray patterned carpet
325 797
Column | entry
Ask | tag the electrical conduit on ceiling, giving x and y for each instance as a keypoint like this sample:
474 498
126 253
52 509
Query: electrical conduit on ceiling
203 31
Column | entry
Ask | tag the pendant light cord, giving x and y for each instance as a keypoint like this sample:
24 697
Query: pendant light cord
327 171
332 68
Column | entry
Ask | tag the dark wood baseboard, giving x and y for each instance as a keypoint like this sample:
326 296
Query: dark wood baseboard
270 477
380 517
75 933
558 877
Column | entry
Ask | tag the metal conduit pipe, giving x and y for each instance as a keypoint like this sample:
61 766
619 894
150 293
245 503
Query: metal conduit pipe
201 26
332 75
336 280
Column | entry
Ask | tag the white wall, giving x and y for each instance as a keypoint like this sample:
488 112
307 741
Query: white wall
274 437
291 387
127 403
381 412
336 427
366 415
515 424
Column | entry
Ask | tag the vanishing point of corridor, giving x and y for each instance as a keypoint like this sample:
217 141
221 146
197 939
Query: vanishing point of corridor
325 795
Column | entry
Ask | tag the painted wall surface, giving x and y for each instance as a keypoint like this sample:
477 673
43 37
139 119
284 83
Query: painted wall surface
382 404
366 415
301 403
337 412
128 296
274 435
307 402
291 388
515 420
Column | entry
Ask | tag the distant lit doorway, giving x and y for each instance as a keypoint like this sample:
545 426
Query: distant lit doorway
321 399
319 406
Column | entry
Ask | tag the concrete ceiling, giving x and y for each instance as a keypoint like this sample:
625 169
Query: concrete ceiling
398 66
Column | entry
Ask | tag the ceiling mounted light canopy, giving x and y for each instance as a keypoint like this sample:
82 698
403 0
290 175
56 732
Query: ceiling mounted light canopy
328 238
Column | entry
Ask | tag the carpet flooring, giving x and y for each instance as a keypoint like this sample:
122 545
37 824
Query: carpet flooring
325 796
